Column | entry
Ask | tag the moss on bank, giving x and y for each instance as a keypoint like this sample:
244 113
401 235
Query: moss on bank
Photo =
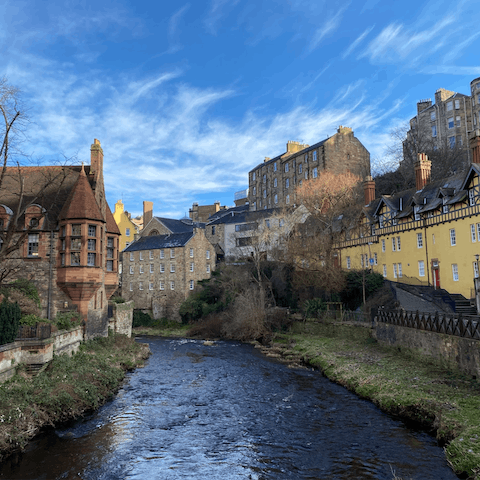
66 389
445 402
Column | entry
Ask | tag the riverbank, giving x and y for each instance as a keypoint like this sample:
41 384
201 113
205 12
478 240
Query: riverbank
442 401
66 389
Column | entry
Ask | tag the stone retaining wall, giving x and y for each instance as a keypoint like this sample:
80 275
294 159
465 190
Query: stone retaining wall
122 319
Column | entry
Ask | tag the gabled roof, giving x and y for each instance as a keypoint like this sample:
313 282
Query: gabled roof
112 226
473 170
177 226
228 211
154 242
244 217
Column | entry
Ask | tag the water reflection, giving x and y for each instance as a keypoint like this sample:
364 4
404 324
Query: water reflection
226 412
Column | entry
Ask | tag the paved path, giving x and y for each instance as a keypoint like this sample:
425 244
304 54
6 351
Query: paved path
412 303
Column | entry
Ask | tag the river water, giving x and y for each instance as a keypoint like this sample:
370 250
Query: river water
227 412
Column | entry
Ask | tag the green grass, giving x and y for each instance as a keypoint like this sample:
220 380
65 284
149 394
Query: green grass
165 329
443 400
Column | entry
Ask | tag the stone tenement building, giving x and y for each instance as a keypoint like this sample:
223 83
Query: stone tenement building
67 237
272 183
160 271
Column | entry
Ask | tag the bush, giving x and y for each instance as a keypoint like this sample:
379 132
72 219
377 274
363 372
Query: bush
28 288
117 300
9 321
31 320
141 319
352 294
67 320
314 307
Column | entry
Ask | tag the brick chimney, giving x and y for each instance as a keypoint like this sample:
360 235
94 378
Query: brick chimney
475 146
147 212
369 189
423 167
96 158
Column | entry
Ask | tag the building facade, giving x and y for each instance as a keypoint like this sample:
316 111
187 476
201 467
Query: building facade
272 183
68 238
160 271
127 228
429 235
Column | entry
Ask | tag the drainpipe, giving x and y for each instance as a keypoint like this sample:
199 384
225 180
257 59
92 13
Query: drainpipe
466 130
50 278
426 251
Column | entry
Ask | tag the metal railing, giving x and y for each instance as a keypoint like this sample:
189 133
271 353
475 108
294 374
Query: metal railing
458 325
38 332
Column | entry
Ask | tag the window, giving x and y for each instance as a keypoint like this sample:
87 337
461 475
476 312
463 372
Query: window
76 230
459 140
416 208
458 121
131 286
315 173
191 253
348 263
453 238
455 272
131 269
433 116
162 286
275 166
287 200
421 268
264 178
192 284
151 268
62 256
445 206
141 255
92 244
450 122
75 244
478 231
305 158
131 256
275 199
75 259
150 286
141 268
400 270
286 167
172 285
33 245
150 254
254 190
244 227
172 253
383 245
394 270
384 270
375 259
208 254
213 229
398 244
162 253
475 270
191 266
264 194
471 197
140 285
172 268
457 104
449 106
314 155
162 268
300 169
127 232
394 244
275 183
91 259
451 142
63 230
419 240
109 265
434 130
287 183
92 231
473 232
208 268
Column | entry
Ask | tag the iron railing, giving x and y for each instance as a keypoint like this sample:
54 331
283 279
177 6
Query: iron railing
39 332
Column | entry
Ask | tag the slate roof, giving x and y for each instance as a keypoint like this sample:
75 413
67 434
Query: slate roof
155 242
228 211
243 217
179 226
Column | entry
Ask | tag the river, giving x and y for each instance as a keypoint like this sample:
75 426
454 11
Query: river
228 412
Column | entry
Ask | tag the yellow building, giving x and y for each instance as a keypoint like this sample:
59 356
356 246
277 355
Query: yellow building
429 235
126 226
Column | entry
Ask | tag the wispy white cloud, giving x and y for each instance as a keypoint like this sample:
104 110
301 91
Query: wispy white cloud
357 42
218 9
173 26
327 28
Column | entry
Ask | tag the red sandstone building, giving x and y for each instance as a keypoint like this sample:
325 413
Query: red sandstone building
68 237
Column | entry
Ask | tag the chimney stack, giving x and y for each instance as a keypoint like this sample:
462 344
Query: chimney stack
147 212
423 168
96 159
369 189
475 146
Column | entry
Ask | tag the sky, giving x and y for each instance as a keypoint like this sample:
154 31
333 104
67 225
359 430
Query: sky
187 97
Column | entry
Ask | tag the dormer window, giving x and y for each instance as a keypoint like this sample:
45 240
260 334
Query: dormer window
34 222
471 197
445 206
416 208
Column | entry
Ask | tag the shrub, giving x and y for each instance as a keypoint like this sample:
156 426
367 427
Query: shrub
67 320
117 300
31 320
141 319
314 307
352 294
9 321
28 288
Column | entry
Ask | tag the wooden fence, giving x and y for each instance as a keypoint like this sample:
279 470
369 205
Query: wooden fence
461 326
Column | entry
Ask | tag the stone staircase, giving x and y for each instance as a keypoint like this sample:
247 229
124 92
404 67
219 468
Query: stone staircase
462 305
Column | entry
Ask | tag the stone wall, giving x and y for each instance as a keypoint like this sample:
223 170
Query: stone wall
122 319
448 350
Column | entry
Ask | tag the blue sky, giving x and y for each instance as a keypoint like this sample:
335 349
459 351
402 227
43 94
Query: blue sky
186 98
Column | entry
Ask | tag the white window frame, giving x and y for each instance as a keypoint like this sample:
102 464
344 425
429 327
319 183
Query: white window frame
475 270
286 167
315 173
287 183
375 258
398 244
421 268
434 130
152 268
131 286
162 285
131 256
348 263
127 232
172 285
162 253
172 268
207 255
141 268
419 240
192 284
287 200
192 266
455 272
275 182
140 285
449 106
172 253
383 244
141 255
384 270
132 269
457 104
314 153
150 254
208 268
473 232
450 123
191 253
394 244
162 268
453 237
150 286
394 270
400 273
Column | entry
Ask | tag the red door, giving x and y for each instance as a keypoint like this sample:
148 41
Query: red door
436 278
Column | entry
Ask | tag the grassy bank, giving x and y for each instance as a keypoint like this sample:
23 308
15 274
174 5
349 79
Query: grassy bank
164 329
413 387
67 388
